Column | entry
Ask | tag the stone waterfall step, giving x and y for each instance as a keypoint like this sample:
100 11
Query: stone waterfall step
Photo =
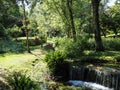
105 76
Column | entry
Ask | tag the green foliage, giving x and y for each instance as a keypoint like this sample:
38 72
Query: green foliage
11 46
14 32
10 14
110 19
20 81
2 31
73 49
34 41
54 58
109 43
42 38
58 67
112 44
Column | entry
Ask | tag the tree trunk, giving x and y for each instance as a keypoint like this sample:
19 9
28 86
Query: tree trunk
98 40
69 4
25 23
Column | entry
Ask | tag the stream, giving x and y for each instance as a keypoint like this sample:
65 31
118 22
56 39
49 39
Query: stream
90 85
96 78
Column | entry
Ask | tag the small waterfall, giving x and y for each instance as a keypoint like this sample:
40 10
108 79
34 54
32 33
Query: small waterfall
89 85
105 76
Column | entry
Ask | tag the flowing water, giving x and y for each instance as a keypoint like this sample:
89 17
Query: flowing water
90 85
105 76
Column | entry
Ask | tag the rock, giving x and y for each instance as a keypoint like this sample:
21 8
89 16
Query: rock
48 46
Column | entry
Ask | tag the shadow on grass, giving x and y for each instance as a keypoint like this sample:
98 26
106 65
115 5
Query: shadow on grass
98 58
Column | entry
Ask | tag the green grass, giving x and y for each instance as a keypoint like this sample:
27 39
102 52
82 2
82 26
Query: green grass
107 55
24 38
107 58
31 64
16 61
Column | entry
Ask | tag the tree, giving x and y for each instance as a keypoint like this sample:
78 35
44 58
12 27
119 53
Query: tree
110 19
97 31
9 14
25 4
69 5
64 8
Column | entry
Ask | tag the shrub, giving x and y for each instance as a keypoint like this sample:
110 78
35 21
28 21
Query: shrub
14 32
42 38
11 46
112 44
73 49
20 81
57 66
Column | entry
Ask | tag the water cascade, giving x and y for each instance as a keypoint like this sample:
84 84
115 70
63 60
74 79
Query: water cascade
105 76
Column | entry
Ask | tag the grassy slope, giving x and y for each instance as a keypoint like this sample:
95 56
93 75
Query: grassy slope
16 61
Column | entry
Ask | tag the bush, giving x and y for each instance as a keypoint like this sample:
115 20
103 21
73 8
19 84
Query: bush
42 38
11 46
14 32
73 49
57 66
112 44
20 81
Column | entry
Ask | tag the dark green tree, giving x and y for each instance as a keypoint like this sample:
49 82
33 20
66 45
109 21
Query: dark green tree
9 14
97 31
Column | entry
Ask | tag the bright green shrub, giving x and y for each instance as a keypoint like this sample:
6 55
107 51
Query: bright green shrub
20 81
14 32
57 66
73 49
42 38
53 58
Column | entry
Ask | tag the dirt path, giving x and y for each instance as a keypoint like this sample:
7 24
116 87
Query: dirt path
38 53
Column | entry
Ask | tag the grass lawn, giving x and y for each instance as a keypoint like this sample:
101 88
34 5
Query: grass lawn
30 64
16 61
22 61
107 58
